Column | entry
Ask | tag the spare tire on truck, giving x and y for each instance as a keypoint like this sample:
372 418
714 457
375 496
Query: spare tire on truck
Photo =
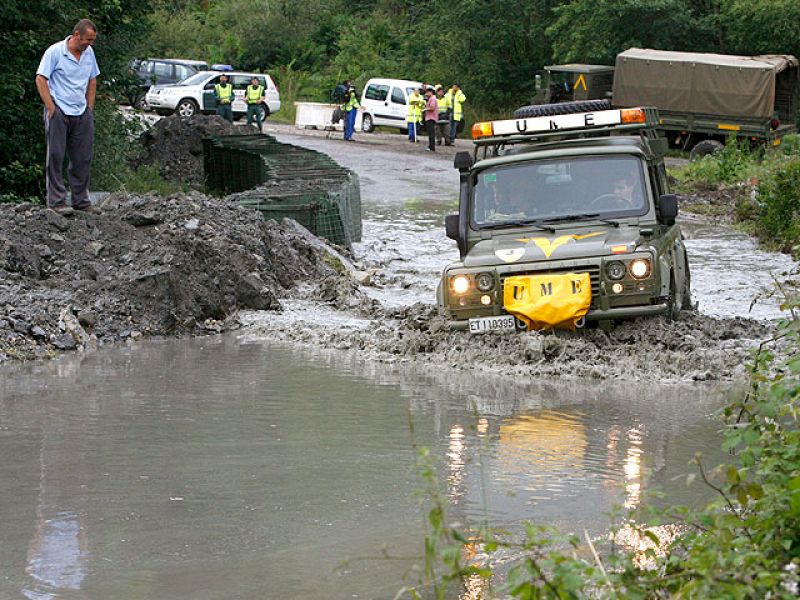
705 148
562 108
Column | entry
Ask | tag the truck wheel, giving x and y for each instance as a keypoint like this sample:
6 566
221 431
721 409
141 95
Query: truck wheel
367 125
705 148
676 298
563 108
186 108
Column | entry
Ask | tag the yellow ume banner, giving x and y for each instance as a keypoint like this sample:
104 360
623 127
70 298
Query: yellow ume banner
548 301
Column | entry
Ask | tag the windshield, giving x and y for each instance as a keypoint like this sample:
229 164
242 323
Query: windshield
565 188
195 79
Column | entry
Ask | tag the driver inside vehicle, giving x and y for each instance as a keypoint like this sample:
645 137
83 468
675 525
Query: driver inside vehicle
623 195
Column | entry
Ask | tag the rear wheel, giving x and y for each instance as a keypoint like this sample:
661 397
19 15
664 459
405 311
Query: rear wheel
186 108
562 108
367 125
705 148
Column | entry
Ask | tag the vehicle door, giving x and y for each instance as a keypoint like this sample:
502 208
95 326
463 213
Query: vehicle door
240 83
209 98
398 104
376 100
163 73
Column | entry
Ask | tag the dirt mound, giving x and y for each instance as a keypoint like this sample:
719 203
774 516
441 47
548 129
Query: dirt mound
145 266
175 144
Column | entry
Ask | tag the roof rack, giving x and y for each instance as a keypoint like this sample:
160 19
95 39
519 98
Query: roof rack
569 126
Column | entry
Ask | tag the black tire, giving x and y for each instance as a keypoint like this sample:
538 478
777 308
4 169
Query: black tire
676 298
705 148
264 111
563 108
163 113
367 124
187 108
238 116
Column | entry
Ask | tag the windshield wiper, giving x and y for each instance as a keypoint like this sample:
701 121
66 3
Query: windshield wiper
581 217
524 223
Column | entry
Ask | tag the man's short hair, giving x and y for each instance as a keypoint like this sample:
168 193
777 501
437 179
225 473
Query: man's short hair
83 26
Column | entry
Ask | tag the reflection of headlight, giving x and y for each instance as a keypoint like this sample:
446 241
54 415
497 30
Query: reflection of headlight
460 284
639 268
484 281
615 270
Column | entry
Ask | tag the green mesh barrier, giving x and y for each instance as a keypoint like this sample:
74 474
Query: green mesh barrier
281 180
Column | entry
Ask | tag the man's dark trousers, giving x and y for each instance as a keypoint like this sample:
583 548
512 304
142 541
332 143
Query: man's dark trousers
430 125
73 136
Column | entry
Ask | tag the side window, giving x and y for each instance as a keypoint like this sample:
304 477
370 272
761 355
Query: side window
182 72
377 92
240 82
146 66
397 96
162 69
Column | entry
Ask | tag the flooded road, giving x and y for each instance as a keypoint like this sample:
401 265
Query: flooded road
212 468
238 467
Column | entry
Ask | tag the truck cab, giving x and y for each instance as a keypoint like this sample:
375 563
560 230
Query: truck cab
573 82
564 221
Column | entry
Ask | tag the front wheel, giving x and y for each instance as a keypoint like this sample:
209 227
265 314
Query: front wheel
186 108
705 148
676 299
367 125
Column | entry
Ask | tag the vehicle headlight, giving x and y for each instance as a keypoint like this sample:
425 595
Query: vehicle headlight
615 270
460 284
639 268
484 281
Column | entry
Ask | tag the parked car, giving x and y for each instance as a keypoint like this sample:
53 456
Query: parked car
385 102
161 71
196 94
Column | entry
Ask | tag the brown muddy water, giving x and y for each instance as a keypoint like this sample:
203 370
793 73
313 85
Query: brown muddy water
215 468
238 467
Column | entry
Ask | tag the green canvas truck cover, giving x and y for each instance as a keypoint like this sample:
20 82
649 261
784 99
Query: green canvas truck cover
716 84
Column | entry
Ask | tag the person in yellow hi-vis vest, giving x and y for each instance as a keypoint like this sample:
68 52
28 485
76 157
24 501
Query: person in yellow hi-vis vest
414 115
224 94
456 98
253 96
443 124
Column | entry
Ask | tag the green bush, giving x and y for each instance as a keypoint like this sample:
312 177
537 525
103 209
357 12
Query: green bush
778 215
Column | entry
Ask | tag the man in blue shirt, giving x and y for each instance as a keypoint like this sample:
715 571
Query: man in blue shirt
67 83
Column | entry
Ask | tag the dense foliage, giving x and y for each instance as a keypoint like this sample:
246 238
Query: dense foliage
492 48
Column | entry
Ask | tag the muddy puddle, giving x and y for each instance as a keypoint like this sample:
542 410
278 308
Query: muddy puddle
215 468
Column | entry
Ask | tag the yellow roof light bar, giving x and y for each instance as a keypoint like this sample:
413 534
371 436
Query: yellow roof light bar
484 129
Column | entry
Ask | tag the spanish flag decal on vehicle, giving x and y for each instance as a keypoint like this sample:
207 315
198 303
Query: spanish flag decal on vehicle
549 246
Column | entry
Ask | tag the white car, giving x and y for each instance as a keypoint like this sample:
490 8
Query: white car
195 94
385 102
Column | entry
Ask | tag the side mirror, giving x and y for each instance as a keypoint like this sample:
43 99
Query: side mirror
463 161
451 226
668 208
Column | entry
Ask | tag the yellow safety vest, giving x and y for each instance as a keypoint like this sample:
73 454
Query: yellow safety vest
456 100
254 94
443 102
415 104
224 93
352 102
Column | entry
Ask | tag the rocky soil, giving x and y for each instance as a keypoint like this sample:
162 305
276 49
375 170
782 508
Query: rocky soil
145 266
175 145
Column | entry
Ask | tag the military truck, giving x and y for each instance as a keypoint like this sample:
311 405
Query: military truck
565 220
702 98
573 82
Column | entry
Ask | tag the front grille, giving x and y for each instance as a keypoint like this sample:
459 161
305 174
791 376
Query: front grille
593 270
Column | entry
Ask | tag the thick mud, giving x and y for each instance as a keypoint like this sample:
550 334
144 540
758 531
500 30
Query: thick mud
145 266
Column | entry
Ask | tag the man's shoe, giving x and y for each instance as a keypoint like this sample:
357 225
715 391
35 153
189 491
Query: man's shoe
89 208
62 209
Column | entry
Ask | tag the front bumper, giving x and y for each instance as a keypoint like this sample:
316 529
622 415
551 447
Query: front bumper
610 314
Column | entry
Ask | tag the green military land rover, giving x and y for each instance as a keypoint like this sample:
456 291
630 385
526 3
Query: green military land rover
565 220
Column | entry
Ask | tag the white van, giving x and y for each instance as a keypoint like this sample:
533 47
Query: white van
385 102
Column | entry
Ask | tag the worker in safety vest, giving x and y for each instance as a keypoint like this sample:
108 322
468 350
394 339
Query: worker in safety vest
253 96
456 98
223 91
414 115
443 124
350 109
